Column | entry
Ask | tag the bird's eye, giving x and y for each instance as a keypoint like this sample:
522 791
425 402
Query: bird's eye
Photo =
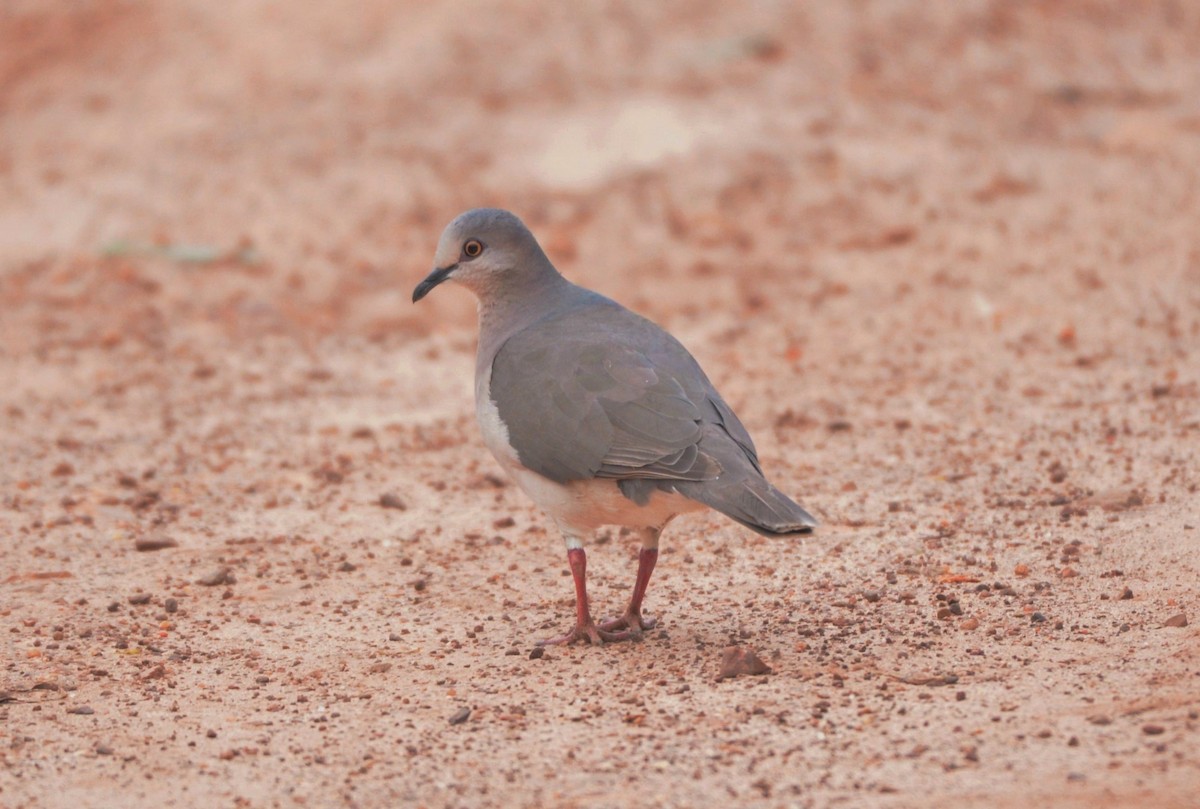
472 249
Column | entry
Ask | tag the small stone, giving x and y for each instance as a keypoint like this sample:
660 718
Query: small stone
871 595
218 577
347 567
392 500
536 652
944 613
955 608
1126 594
739 660
460 716
1176 621
114 606
212 734
394 636
171 605
103 749
1099 719
139 598
154 543
1153 730
1037 618
82 710
969 624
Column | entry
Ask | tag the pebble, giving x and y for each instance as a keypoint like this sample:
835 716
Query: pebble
1126 594
103 750
139 598
739 660
969 624
154 543
871 595
218 577
1176 621
1153 730
1037 618
460 716
392 500
83 710
171 605
536 652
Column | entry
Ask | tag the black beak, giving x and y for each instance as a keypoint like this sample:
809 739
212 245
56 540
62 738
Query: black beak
433 279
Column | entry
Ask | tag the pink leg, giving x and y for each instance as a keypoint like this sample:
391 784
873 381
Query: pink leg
647 559
632 620
585 628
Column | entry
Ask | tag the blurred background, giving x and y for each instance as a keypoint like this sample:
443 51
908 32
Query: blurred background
287 166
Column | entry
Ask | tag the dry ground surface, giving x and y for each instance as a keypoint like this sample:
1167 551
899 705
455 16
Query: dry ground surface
942 258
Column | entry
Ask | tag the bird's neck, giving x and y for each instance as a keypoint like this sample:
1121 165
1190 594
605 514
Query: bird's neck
518 304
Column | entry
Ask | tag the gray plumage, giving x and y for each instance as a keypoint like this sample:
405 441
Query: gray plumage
593 390
588 389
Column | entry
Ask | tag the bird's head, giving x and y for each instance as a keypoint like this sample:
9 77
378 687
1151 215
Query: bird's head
484 249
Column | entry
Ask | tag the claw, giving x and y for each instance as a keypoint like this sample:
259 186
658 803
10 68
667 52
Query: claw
631 621
596 635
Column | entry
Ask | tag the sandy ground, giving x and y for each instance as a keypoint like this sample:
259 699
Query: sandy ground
942 258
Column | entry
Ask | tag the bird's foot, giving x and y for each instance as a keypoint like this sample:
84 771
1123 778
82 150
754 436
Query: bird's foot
596 635
633 624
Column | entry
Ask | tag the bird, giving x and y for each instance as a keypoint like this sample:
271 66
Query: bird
599 415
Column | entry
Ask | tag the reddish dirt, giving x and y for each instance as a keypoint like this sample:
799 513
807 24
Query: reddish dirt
942 259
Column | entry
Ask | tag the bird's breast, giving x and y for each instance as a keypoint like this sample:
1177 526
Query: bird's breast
493 428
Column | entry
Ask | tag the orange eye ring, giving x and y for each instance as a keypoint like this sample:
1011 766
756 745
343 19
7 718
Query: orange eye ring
472 249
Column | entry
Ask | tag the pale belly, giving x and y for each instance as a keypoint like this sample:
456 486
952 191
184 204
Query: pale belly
578 507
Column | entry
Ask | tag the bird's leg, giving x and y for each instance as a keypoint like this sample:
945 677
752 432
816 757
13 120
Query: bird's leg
585 627
633 621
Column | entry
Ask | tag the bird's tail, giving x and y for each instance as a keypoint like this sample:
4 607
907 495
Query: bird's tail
753 502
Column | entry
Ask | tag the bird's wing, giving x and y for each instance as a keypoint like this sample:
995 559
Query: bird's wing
605 394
